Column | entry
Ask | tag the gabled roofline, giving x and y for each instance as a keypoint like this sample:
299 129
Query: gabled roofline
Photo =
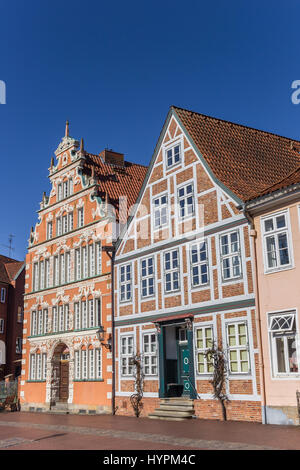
206 165
158 144
171 113
19 272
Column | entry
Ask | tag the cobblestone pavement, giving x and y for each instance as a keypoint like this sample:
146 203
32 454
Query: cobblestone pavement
45 431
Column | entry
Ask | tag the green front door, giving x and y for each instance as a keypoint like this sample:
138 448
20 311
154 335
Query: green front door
184 368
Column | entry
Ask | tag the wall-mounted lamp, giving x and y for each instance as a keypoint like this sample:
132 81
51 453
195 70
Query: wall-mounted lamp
101 337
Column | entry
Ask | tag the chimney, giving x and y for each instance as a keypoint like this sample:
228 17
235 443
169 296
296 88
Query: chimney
114 158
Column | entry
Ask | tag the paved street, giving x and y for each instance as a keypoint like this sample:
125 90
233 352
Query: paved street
33 431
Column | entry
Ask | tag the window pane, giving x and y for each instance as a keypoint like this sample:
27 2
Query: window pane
280 354
292 354
269 225
271 252
280 221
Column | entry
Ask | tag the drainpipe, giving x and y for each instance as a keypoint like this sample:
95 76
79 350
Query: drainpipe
253 235
113 396
111 251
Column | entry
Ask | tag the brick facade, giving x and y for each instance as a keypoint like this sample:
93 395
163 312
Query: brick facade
217 304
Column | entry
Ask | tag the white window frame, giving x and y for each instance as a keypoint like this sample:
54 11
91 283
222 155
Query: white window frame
237 347
98 254
58 226
49 230
171 148
125 283
151 355
47 273
230 256
55 319
203 327
80 217
34 322
88 365
126 355
70 221
147 277
77 316
275 233
185 198
56 279
272 343
171 271
59 192
199 263
68 266
162 209
3 295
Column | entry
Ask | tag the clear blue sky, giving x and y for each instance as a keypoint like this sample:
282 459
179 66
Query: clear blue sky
114 68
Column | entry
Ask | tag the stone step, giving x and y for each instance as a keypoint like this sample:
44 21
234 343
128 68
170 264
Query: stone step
177 403
177 399
173 413
168 418
61 405
179 407
57 411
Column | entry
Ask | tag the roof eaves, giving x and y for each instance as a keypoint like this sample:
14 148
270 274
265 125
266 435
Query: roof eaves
19 272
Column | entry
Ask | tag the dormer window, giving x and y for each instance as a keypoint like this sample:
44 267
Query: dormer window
173 155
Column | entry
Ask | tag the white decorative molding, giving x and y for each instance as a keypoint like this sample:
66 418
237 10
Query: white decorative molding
65 208
60 297
80 204
65 144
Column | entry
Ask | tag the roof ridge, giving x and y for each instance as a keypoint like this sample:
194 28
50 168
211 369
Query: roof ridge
236 124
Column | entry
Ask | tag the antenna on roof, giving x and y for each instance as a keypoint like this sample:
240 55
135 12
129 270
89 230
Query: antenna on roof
9 246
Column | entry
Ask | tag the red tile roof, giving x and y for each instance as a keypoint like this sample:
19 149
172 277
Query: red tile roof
9 268
290 180
116 181
246 160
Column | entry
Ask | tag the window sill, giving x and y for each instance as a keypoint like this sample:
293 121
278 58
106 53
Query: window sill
36 381
88 380
278 270
171 167
232 279
201 286
291 375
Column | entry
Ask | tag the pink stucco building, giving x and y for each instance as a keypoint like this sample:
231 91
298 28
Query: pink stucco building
275 218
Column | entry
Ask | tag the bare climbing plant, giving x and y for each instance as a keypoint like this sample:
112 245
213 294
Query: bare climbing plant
136 398
215 355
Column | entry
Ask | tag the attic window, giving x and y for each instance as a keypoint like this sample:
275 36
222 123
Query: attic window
173 155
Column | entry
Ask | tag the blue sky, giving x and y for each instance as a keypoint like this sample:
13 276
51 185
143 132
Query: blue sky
114 68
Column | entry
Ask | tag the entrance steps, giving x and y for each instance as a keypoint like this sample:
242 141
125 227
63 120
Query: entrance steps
60 408
174 409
